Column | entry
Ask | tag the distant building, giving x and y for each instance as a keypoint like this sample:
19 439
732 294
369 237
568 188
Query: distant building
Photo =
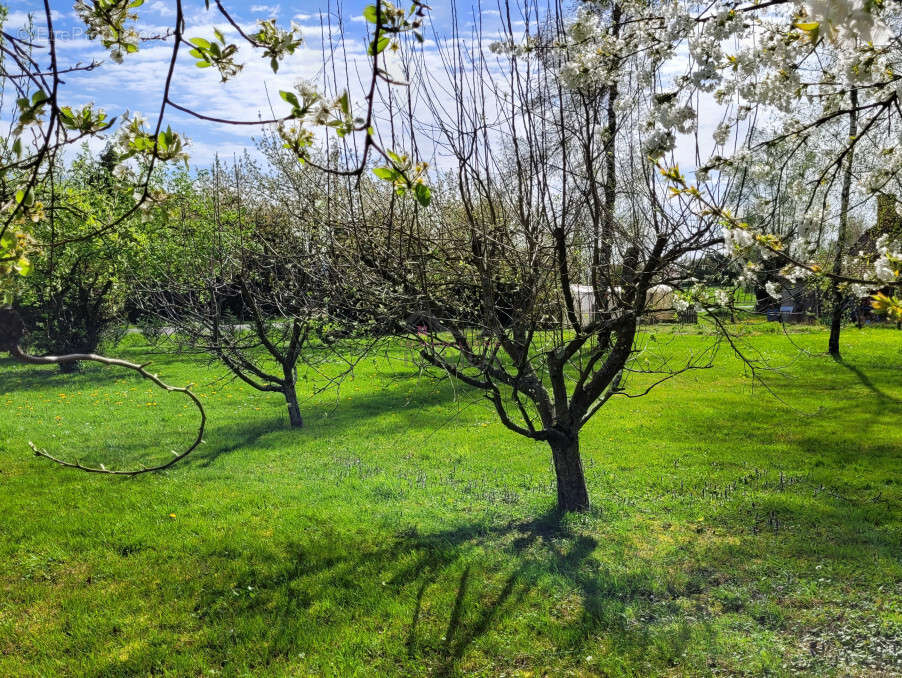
889 223
584 302
658 303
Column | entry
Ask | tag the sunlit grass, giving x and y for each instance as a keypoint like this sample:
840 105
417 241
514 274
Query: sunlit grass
405 532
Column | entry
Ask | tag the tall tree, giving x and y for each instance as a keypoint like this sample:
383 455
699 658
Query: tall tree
528 278
842 237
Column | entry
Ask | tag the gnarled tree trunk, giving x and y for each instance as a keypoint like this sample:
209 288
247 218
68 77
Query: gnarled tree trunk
294 411
572 494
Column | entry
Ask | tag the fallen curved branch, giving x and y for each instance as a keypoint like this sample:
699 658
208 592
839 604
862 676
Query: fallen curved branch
11 332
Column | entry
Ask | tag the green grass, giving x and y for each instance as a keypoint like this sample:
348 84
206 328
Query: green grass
405 532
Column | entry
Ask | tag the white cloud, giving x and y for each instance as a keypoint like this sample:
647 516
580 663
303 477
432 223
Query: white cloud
269 10
162 8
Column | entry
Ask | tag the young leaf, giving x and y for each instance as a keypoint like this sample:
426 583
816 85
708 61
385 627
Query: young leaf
24 266
370 13
423 194
345 104
290 97
386 173
377 47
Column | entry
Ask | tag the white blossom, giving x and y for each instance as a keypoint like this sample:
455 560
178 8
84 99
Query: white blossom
847 21
722 134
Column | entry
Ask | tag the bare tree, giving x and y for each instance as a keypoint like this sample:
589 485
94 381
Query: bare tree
530 279
249 280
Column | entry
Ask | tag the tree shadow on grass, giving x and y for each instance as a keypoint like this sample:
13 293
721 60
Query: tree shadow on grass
228 438
457 589
230 431
14 376
323 419
868 383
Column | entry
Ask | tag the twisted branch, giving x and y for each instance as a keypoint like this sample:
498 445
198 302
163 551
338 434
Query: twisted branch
11 332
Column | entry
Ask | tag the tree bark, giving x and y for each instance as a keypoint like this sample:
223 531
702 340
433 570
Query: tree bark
70 368
294 411
835 294
572 495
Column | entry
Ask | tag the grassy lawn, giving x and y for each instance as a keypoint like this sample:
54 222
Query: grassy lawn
405 532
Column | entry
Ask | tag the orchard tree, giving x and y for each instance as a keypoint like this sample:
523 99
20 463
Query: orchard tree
812 66
246 274
75 297
529 275
44 126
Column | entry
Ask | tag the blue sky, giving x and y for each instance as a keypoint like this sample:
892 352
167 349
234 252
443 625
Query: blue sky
137 84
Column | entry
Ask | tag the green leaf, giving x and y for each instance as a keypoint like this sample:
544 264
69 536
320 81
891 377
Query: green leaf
24 197
24 266
386 173
377 47
200 42
203 64
290 97
345 103
219 35
423 194
17 147
370 13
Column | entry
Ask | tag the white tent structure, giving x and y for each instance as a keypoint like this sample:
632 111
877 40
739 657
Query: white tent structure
658 303
583 302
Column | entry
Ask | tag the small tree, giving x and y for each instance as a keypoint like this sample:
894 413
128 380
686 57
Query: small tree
241 278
